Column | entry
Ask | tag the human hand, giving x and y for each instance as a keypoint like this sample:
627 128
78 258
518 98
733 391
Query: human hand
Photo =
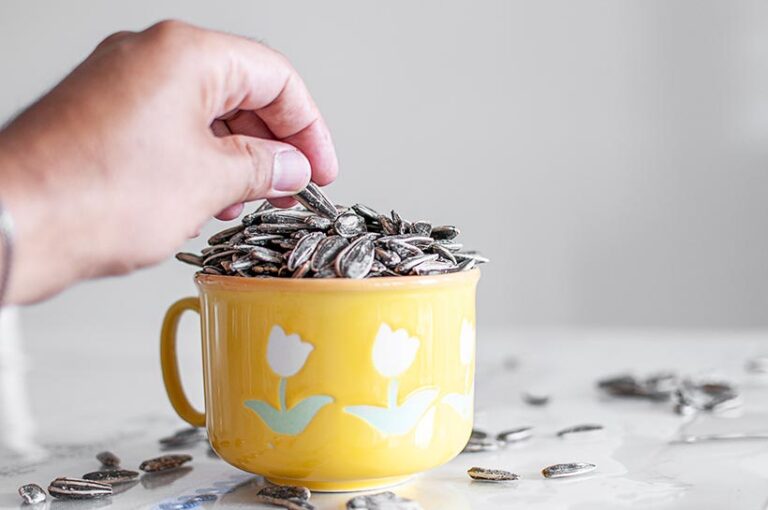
152 135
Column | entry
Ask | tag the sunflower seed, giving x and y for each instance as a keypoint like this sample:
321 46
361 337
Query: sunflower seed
225 234
443 252
32 493
535 399
315 200
433 267
355 260
515 435
164 463
569 469
466 265
445 232
423 228
349 225
263 254
757 365
408 264
261 238
327 251
403 249
108 459
290 504
278 228
382 501
304 250
302 270
76 488
587 427
251 218
111 476
190 258
491 475
219 256
388 226
285 492
286 216
326 272
366 212
478 434
318 222
388 258
474 256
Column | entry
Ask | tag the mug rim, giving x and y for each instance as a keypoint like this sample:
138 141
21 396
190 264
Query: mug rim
225 282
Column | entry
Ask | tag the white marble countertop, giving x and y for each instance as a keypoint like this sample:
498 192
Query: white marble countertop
63 400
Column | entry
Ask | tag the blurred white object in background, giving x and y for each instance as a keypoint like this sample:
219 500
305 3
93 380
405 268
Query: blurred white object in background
16 419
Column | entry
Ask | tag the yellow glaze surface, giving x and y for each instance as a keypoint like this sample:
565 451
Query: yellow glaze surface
332 384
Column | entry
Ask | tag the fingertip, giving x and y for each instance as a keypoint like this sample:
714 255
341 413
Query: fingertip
230 213
283 202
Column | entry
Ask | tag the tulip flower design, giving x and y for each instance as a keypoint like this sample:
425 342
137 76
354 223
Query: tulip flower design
286 355
393 353
462 402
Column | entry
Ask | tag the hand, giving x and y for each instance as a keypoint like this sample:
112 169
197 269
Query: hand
153 134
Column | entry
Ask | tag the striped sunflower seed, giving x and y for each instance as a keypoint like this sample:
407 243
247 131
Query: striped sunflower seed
382 501
190 258
77 488
349 225
111 476
355 260
407 265
366 212
290 504
32 493
108 459
327 251
285 492
491 475
445 232
304 250
568 469
515 435
225 234
164 463
576 429
315 200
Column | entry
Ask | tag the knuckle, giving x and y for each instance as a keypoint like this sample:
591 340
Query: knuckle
259 165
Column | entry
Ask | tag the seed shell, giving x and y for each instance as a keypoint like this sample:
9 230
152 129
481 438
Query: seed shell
491 475
515 435
285 492
304 250
315 200
356 259
111 476
164 463
382 501
77 488
568 469
108 459
587 427
32 493
290 504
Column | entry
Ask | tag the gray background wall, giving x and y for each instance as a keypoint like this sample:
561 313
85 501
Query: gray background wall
609 156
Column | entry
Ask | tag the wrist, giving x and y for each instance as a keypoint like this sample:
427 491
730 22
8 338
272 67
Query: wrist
45 256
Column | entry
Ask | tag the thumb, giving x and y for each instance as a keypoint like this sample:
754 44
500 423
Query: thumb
265 168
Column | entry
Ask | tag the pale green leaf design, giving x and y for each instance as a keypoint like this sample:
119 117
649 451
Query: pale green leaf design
396 420
292 421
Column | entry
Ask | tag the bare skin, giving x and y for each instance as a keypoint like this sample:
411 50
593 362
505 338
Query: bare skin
152 135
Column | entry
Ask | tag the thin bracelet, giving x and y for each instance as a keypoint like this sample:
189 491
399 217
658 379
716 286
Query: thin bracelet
6 243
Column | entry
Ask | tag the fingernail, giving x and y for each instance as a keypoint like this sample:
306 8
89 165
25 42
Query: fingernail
291 171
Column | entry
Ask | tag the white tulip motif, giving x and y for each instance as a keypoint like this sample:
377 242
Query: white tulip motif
286 354
462 402
393 351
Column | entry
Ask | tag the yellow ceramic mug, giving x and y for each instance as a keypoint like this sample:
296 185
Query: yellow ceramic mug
333 384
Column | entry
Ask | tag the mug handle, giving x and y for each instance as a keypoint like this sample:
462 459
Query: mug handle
170 365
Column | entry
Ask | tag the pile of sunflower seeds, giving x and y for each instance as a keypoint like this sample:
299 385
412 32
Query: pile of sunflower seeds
688 395
318 239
